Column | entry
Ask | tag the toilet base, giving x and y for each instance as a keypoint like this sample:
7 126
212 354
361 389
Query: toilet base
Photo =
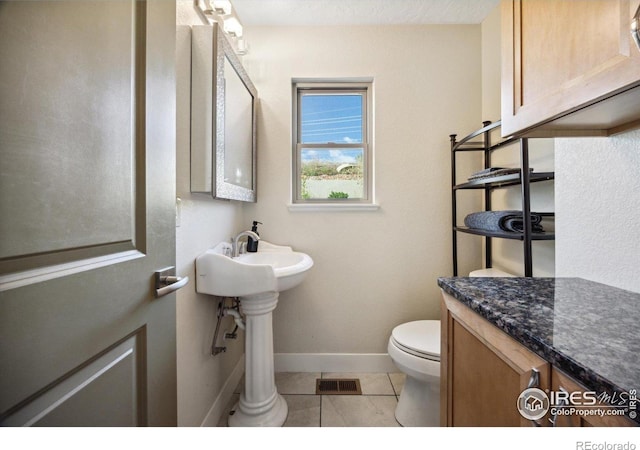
419 403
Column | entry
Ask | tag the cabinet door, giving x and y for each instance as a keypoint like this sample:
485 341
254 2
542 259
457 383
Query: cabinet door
561 382
483 371
563 56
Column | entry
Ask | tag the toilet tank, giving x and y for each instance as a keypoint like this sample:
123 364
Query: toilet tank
490 273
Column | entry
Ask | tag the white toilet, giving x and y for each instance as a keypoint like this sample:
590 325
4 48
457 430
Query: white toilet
414 347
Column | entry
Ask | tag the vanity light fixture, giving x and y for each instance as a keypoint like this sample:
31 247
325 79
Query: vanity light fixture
223 13
233 27
222 7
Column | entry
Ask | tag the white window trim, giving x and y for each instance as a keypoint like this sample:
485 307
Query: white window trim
364 204
315 207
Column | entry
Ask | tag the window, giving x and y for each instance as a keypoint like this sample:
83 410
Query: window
332 129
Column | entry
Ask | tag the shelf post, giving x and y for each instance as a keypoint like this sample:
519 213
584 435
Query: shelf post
454 219
526 206
488 257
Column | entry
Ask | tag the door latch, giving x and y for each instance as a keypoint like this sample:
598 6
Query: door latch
167 282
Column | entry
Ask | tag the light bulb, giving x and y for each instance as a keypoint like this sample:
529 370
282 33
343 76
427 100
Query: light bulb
233 27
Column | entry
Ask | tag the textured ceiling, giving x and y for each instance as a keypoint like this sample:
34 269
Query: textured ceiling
361 12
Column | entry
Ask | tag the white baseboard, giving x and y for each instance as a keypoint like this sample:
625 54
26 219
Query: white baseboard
224 397
334 362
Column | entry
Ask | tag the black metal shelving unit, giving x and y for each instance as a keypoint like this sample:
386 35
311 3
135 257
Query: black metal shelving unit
480 141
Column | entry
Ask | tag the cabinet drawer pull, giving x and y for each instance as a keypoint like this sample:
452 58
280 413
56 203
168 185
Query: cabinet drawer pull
534 380
563 402
635 27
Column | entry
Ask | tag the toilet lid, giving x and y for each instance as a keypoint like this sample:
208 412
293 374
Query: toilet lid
421 338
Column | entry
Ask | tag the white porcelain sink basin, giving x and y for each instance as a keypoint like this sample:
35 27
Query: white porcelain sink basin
257 279
273 268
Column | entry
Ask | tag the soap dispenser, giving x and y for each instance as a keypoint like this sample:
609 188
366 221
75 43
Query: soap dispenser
252 245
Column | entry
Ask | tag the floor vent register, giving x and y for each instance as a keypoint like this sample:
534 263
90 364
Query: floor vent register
338 386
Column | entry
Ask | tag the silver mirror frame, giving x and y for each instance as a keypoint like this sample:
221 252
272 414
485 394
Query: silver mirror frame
224 189
216 184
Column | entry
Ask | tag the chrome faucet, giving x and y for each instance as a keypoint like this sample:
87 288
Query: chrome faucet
234 241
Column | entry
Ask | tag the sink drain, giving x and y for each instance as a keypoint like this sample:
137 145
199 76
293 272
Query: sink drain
338 386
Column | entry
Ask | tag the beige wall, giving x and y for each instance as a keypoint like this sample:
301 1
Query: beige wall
491 66
508 254
203 222
373 270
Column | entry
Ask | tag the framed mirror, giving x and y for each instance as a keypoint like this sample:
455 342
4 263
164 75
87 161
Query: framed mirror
223 119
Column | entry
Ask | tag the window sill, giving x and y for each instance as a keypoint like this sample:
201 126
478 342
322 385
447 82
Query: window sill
326 207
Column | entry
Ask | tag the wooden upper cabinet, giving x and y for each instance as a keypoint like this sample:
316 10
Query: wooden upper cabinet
569 68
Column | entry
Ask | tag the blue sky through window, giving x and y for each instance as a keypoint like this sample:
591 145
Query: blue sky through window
331 118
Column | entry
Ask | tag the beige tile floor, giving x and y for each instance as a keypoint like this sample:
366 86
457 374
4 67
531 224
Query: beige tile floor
374 408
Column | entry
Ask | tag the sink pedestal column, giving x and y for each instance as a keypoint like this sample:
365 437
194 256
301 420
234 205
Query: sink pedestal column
260 404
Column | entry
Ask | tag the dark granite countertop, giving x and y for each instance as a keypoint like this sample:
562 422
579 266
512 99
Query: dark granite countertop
586 329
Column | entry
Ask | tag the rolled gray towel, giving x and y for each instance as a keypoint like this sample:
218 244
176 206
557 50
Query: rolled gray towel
502 221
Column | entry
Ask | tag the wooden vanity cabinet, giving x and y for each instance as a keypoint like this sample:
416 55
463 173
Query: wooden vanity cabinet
483 371
561 381
569 68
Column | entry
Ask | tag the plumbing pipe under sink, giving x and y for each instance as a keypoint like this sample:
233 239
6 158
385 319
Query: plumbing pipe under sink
237 317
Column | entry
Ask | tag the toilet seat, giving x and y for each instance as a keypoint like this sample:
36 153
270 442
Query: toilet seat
420 338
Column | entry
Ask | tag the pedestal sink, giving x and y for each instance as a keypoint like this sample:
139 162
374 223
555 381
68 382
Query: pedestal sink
257 279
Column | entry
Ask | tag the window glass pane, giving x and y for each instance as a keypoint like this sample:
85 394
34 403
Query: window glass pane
332 173
331 118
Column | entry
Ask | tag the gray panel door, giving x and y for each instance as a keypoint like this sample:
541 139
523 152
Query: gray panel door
87 212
